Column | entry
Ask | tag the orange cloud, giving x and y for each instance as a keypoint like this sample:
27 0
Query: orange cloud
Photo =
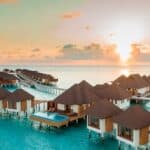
91 54
71 15
8 1
140 54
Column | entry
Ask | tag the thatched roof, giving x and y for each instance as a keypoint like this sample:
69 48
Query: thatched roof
4 93
36 75
79 94
134 117
103 109
133 81
147 79
19 95
112 91
6 76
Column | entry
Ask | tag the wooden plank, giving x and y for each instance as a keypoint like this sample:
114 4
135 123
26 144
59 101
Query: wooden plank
144 136
23 105
49 122
109 124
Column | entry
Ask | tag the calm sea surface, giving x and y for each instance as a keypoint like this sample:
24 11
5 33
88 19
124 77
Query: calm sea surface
69 75
19 135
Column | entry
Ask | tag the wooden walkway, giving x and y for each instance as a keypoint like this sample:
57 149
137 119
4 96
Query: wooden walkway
45 88
50 122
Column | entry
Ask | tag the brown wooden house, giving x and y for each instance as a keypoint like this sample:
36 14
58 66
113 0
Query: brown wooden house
99 116
76 99
132 126
114 93
20 101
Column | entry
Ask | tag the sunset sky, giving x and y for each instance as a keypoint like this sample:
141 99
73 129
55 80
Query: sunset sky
80 32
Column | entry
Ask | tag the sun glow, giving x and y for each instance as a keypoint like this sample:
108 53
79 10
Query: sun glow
125 72
123 37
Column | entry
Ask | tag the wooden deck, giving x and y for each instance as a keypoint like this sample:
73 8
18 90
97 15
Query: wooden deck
50 122
58 124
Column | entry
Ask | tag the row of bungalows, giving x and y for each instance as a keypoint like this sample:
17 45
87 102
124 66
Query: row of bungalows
130 126
134 83
75 100
114 93
36 76
19 102
7 80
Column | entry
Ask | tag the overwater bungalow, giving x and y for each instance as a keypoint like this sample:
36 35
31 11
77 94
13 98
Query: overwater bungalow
41 78
132 126
3 94
7 80
76 99
68 107
20 102
133 83
99 117
114 93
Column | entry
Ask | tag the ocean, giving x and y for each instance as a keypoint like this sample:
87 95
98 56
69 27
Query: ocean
19 134
68 75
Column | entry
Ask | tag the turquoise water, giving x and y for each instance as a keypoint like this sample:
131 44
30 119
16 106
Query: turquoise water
19 135
51 116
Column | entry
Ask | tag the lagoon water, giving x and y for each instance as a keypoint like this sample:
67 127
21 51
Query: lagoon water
19 135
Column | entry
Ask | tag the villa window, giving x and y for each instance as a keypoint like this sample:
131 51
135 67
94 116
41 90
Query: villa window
93 121
125 133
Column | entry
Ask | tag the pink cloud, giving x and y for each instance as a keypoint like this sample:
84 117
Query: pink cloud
71 15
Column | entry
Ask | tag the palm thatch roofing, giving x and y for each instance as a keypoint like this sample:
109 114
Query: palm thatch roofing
112 91
134 117
133 81
36 75
4 93
147 79
103 109
6 76
19 95
78 94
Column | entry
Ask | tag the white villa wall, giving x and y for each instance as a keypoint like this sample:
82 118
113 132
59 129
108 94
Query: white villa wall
1 104
136 137
75 108
102 128
29 109
92 128
102 125
61 107
18 106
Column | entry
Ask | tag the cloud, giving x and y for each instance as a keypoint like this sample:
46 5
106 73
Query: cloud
140 54
71 15
87 27
93 52
36 50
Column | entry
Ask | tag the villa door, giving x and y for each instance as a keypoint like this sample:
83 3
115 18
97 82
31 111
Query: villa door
23 105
